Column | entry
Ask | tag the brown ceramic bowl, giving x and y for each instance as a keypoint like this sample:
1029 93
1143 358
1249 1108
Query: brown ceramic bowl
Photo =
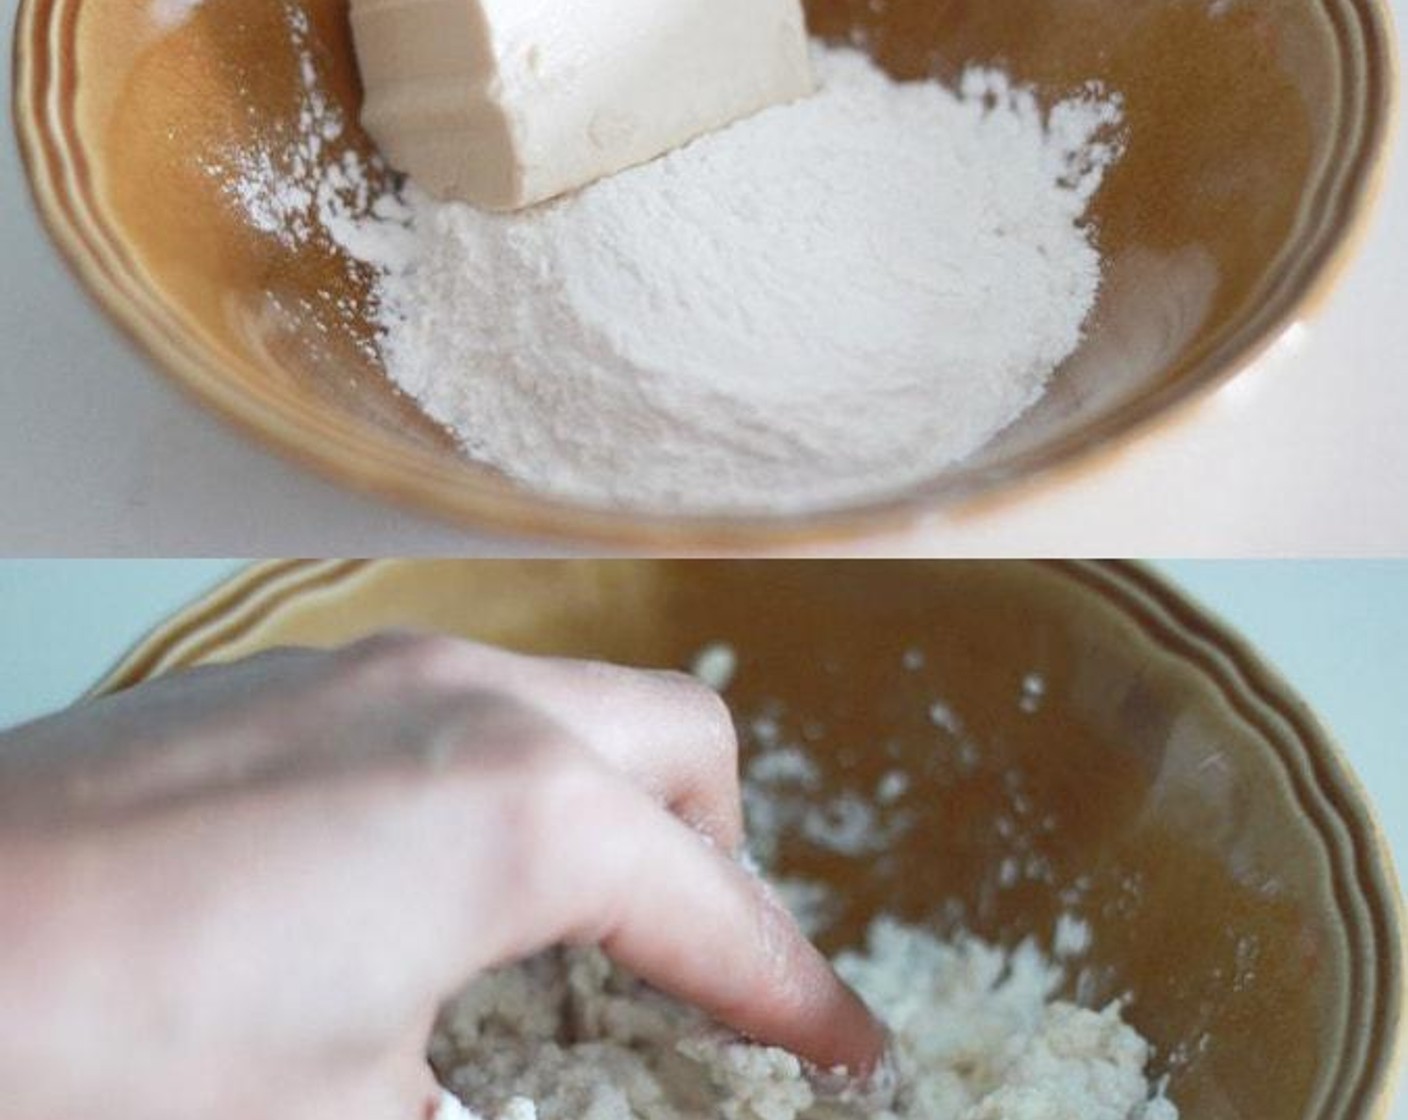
1165 785
1256 133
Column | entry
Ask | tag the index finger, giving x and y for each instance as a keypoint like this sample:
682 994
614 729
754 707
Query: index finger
689 921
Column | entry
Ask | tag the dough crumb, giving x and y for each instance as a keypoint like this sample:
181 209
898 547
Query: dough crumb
978 1035
716 665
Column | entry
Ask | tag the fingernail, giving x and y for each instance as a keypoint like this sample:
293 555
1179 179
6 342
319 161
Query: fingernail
875 1091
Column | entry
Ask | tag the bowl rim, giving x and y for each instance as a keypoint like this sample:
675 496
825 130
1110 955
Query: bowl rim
372 464
240 604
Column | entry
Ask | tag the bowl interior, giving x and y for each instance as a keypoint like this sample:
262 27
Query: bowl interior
1076 740
1252 131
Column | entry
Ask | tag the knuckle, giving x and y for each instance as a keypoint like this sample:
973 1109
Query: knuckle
403 658
707 710
383 644
724 733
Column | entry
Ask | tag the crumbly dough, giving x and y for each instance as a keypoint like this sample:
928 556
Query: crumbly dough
977 1036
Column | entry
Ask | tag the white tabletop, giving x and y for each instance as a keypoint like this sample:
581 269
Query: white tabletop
1305 455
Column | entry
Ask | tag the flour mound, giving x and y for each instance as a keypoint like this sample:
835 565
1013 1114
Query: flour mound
977 1036
825 303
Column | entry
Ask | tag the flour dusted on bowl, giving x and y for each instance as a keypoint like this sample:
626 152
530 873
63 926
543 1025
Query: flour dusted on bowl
977 1036
826 303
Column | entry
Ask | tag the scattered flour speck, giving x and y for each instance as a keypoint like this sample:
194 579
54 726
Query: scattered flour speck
943 716
893 786
716 665
1073 936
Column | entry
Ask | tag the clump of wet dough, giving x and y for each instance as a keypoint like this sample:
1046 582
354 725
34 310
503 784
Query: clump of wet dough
977 1036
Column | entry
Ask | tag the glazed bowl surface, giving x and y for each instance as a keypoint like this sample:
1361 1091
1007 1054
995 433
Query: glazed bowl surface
1077 740
1255 130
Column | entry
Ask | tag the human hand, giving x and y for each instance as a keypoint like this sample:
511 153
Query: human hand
244 891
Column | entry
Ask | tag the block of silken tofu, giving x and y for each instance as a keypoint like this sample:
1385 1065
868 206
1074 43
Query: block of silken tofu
507 103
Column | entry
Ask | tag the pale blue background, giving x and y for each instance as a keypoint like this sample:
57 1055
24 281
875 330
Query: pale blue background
1338 631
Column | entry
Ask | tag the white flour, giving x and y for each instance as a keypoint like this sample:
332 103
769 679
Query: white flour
305 177
977 1036
824 303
